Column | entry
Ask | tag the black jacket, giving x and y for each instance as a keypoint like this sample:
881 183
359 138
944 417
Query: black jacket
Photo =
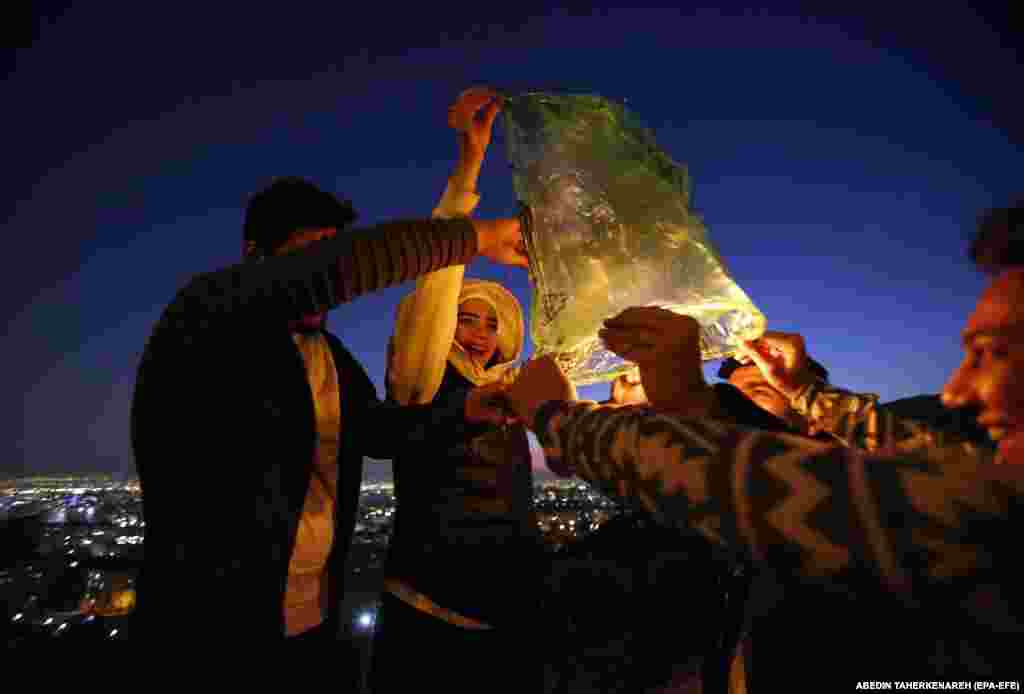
466 532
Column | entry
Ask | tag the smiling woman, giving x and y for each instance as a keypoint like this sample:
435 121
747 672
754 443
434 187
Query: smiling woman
477 330
464 565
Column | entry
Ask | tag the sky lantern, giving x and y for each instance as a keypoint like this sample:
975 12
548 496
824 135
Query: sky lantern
608 224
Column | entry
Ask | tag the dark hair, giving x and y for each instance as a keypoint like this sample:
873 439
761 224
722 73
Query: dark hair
289 204
730 365
999 240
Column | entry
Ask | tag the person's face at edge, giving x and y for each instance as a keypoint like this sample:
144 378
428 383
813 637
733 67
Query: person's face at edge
991 377
477 330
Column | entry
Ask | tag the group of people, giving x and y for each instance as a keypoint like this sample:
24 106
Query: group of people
810 489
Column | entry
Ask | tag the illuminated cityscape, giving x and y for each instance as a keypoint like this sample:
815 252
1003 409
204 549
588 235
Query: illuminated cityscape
73 546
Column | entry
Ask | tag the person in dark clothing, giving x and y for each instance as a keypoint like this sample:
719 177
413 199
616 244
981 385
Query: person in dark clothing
465 561
241 388
466 557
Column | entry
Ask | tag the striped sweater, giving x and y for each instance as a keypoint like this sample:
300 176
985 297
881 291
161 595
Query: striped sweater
935 516
857 419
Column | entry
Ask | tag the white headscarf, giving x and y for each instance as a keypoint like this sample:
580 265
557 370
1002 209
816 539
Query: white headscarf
510 332
423 344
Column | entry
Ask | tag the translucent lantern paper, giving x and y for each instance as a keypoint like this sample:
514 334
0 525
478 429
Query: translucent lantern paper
608 226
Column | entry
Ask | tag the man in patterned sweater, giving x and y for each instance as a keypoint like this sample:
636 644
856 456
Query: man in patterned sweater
778 604
927 518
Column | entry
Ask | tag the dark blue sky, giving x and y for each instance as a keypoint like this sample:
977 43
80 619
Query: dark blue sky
839 162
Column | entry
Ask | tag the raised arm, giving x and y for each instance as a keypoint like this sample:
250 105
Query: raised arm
766 492
855 419
331 272
328 273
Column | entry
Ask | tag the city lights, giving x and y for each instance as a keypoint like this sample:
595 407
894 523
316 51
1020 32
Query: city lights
75 517
107 522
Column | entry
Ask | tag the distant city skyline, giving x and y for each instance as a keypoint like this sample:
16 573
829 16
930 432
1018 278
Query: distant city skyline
374 471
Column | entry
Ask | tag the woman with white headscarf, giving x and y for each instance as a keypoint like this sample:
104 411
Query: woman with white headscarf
464 564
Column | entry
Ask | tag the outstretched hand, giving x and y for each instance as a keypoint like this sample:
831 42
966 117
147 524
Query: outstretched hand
666 347
501 241
472 116
646 335
782 360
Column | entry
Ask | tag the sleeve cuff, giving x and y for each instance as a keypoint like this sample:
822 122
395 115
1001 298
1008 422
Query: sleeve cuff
459 240
456 202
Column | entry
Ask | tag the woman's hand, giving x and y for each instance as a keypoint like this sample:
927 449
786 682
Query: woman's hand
472 117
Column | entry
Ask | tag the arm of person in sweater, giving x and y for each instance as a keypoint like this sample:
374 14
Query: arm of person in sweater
818 510
327 273
858 420
426 319
390 429
855 419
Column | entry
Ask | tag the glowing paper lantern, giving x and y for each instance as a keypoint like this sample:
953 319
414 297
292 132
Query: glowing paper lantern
608 225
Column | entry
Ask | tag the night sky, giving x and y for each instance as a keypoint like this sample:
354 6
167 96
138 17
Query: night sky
839 161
